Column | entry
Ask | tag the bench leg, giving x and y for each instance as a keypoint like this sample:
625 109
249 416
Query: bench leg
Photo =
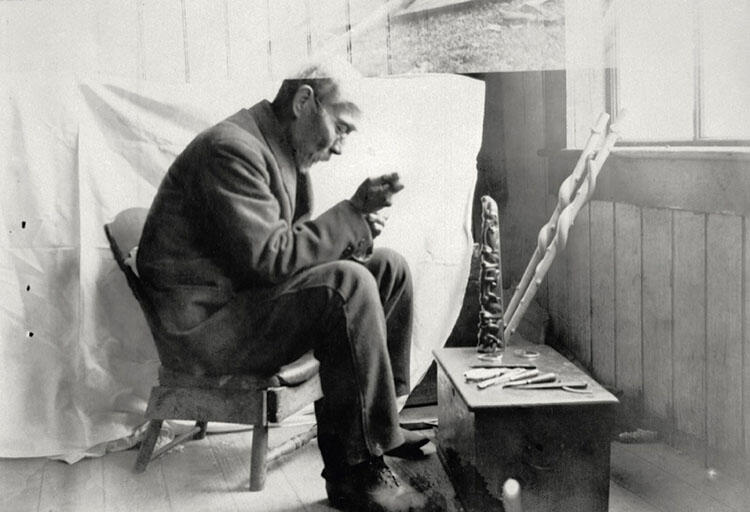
202 425
258 457
147 446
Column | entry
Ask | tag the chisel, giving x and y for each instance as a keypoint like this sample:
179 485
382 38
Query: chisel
512 376
545 377
556 385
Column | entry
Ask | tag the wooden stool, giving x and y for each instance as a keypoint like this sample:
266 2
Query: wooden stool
248 399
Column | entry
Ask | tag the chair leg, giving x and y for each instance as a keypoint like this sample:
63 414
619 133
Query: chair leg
258 457
147 446
203 425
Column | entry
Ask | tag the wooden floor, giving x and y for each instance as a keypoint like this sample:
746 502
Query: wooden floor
212 475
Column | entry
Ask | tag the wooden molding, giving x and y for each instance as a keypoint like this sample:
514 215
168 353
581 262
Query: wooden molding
703 180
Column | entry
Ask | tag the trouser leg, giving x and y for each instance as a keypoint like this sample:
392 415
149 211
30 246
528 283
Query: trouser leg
345 314
392 275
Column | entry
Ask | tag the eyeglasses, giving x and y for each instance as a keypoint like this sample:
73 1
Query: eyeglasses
342 129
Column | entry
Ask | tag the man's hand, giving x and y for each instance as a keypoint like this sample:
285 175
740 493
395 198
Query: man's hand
376 222
375 193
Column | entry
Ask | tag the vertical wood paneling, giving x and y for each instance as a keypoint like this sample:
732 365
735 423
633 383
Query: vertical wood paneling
657 312
555 138
4 38
689 323
557 281
534 187
523 119
117 38
206 40
513 97
248 40
49 36
628 365
583 63
370 48
746 335
603 291
28 47
289 28
724 332
579 275
328 27
163 42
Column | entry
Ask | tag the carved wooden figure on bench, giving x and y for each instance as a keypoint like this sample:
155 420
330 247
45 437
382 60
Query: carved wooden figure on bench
491 325
248 399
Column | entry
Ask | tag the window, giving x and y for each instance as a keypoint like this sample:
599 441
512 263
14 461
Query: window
681 68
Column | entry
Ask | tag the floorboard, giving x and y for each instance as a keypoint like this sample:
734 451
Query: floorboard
212 475
193 478
660 488
718 485
302 473
622 500
21 484
72 488
125 491
428 476
233 454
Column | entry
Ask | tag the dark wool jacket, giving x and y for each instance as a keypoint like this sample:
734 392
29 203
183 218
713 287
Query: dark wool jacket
232 217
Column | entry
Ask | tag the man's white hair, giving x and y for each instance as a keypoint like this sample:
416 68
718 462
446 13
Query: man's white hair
334 79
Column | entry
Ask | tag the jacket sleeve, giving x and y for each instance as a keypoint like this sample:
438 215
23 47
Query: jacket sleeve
235 186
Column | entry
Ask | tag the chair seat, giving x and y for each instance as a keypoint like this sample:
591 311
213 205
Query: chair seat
292 374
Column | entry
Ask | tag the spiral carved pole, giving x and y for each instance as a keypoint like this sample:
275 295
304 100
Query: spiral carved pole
564 197
564 222
491 324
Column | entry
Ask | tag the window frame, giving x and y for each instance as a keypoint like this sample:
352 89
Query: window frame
611 87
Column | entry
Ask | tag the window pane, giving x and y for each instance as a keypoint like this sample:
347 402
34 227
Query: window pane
513 35
725 64
655 68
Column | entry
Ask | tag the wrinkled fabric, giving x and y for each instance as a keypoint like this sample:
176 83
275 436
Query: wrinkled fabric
78 359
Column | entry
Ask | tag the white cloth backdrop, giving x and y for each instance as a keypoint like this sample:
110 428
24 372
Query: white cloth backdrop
78 360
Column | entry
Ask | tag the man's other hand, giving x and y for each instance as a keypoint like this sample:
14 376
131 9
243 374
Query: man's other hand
375 193
376 221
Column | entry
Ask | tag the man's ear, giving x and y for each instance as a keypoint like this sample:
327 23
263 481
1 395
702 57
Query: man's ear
301 97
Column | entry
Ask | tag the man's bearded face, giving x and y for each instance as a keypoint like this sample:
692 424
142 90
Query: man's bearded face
320 131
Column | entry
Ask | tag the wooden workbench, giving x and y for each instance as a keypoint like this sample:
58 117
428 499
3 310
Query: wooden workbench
554 442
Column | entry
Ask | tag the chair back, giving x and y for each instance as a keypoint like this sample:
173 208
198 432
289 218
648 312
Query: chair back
124 234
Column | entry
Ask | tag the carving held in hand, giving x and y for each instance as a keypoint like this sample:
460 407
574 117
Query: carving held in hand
376 193
376 221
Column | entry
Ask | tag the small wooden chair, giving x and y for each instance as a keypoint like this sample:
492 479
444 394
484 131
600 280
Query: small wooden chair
248 399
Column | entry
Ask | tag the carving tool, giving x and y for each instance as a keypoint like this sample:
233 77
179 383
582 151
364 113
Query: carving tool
508 377
571 387
525 366
479 374
545 377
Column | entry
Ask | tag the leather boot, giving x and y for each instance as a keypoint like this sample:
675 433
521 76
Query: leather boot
371 486
411 447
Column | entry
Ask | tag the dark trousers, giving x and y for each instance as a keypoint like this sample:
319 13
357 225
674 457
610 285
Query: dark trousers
357 318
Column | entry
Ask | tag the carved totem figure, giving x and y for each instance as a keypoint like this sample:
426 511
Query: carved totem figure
491 324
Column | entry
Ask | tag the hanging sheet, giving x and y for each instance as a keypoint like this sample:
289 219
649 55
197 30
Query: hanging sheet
78 360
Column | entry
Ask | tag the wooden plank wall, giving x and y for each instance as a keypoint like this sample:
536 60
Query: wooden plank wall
654 301
191 41
667 318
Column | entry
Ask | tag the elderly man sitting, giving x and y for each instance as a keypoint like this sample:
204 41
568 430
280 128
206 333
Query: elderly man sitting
247 281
